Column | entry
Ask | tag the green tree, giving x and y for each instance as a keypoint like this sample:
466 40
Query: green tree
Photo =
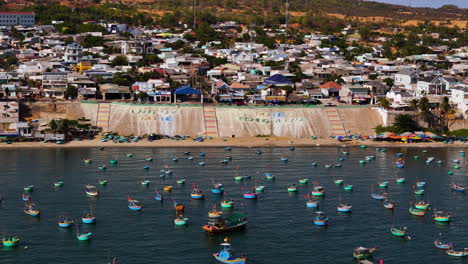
72 92
53 125
120 60
405 123
63 126
389 82
383 101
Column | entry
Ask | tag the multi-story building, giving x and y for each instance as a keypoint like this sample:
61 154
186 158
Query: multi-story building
26 19
73 53
54 84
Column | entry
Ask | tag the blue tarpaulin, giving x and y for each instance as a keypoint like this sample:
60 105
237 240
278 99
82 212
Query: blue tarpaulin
187 90
277 79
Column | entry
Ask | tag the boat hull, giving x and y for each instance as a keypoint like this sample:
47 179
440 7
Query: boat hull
197 196
320 222
250 196
88 220
229 261
65 225
212 229
32 213
135 208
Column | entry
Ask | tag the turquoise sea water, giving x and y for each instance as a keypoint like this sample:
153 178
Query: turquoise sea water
280 228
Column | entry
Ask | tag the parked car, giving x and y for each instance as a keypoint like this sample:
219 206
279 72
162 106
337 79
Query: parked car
330 105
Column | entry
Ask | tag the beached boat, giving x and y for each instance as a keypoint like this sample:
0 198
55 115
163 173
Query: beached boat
226 256
28 188
217 188
457 253
179 207
457 188
379 196
400 180
65 221
441 216
292 188
443 245
422 205
180 221
345 208
318 191
30 209
363 252
399 232
400 163
227 204
133 205
10 241
320 219
417 212
220 224
167 188
91 190
197 193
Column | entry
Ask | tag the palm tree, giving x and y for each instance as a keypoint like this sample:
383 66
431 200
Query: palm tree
383 101
414 104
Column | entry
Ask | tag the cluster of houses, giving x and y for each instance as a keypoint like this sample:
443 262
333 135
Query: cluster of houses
51 63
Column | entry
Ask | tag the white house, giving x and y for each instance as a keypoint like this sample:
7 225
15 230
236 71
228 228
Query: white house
460 99
406 77
435 84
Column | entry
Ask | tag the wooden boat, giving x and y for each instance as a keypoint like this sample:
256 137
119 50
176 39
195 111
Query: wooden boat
232 223
102 167
30 209
383 184
217 188
65 221
214 213
389 204
226 256
181 181
268 176
227 204
26 196
197 194
318 191
303 181
149 159
399 232
10 241
259 188
89 217
379 196
158 196
292 188
442 245
145 182
363 252
422 205
91 190
58 184
338 181
88 161
457 253
419 191
250 195
102 182
441 216
417 212
129 155
400 180
284 159
312 203
420 184
345 208
180 221
134 205
457 188
400 163
167 188
179 207
238 178
113 161
320 219
348 187
28 188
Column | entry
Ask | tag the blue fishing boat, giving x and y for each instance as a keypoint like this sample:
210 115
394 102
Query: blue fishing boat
400 163
457 188
28 188
378 196
89 217
312 203
226 256
134 205
202 154
30 209
268 176
26 196
320 219
158 196
345 208
443 245
420 184
146 167
217 188
250 194
197 193
65 221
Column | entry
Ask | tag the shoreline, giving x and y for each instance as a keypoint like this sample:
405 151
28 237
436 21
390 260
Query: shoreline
243 142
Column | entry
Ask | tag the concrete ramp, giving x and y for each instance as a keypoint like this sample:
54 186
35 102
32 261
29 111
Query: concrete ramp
211 124
336 125
103 116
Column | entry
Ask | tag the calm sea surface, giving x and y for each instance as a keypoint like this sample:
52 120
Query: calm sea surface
280 228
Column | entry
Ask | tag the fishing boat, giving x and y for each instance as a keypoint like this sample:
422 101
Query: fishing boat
345 153
158 196
292 188
440 161
197 194
457 188
259 188
379 196
424 151
129 155
462 153
101 148
422 205
134 205
383 184
442 217
320 219
284 159
88 161
179 206
202 154
303 181
149 159
314 164
345 208
327 166
249 194
400 163
259 152
187 153
227 148
65 221
268 176
318 191
201 163
399 232
91 190
145 182
102 182
429 160
337 165
226 256
26 196
457 253
190 158
348 187
113 161
363 252
312 203
28 188
400 180
30 209
220 224
215 213
419 191
180 221
175 159
338 181
389 204
415 157
83 236
10 241
238 178
442 245
146 167
102 167
362 162
89 217
217 188
58 184
181 181
227 204
417 212
167 188
420 184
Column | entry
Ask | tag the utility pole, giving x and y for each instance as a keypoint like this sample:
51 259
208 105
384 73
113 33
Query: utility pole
194 20
286 64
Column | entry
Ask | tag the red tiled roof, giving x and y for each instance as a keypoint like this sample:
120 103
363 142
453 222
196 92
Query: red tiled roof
330 84
238 85
16 13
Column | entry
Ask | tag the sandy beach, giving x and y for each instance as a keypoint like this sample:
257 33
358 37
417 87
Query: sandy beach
248 142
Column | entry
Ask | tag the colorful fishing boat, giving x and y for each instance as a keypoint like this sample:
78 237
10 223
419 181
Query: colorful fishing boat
197 193
303 181
312 203
249 195
88 161
320 219
292 188
379 196
363 252
149 159
443 245
158 196
399 232
417 212
10 241
30 209
400 180
457 253
440 161
422 205
238 178
179 207
259 188
457 188
344 208
442 217
268 176
145 182
65 221
26 196
113 161
420 184
83 236
28 188
58 184
215 213
89 217
226 256
91 190
227 204
167 188
400 163
102 167
102 182
232 223
181 181
338 181
180 221
389 204
217 188
133 205
419 191
383 184
348 187
318 191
